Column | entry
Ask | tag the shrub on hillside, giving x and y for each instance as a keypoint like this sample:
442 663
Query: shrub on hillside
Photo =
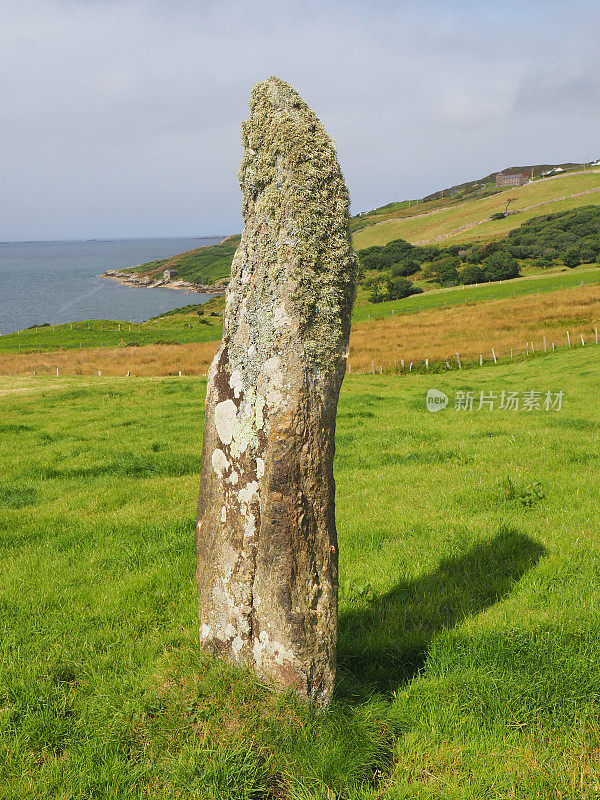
500 266
393 289
471 273
398 287
572 258
408 266
444 270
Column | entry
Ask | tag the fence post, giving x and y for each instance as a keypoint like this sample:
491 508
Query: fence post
582 342
480 360
458 361
402 364
410 367
526 348
372 367
532 349
99 373
553 347
494 356
568 339
596 332
426 363
57 370
545 348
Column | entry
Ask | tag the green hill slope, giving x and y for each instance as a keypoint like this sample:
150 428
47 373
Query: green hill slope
470 221
206 265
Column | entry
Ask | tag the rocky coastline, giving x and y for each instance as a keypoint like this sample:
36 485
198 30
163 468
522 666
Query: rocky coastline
145 281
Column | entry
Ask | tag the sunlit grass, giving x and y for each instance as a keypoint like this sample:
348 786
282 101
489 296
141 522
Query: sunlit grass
468 637
436 333
445 221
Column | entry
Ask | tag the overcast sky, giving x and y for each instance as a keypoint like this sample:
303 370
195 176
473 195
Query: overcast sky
120 118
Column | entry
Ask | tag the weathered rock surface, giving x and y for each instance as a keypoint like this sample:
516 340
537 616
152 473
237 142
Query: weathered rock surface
266 537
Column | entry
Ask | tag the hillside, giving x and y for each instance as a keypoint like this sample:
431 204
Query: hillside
469 636
470 221
205 265
453 195
462 217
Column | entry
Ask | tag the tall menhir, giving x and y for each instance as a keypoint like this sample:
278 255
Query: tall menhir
266 538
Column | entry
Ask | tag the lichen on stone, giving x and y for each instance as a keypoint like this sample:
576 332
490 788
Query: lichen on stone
295 206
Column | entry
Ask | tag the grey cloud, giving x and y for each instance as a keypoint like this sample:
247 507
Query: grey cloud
122 118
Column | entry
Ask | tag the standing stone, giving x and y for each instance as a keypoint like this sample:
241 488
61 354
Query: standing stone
266 538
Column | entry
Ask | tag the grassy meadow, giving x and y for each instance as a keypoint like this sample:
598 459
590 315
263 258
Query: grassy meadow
469 632
509 316
546 197
169 328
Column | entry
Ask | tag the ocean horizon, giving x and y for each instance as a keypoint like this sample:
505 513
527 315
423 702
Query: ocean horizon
57 281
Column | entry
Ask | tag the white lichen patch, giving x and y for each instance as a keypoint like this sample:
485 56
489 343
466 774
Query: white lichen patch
265 646
247 423
224 514
249 493
205 632
236 382
233 478
246 497
274 377
219 462
225 413
260 468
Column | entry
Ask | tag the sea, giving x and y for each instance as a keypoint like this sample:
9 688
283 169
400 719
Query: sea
57 282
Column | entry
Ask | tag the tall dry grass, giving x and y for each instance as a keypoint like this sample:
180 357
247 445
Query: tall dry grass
436 334
475 329
150 360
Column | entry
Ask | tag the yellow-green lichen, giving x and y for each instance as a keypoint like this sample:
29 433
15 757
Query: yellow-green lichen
295 206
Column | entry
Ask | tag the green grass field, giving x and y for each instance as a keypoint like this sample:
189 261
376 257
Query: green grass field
456 295
170 328
469 631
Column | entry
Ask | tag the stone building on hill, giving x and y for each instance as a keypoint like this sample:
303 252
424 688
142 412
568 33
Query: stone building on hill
514 179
